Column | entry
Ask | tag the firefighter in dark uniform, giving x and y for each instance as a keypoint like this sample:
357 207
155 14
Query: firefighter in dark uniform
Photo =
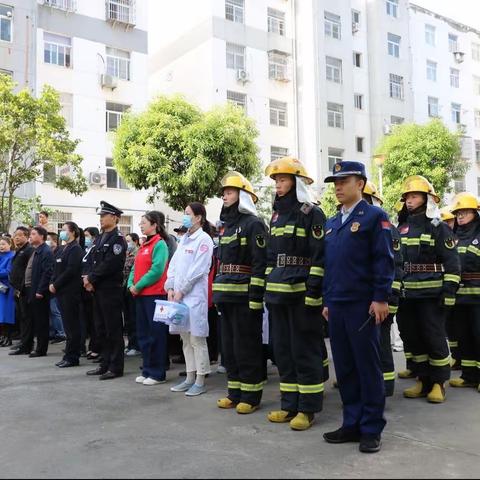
238 292
103 275
293 294
359 272
448 217
467 308
371 195
431 278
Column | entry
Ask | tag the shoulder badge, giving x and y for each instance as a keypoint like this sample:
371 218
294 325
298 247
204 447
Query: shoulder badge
317 232
355 226
450 243
306 208
396 244
404 229
274 217
117 249
260 241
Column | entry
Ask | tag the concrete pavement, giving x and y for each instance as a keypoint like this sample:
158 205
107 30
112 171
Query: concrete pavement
60 423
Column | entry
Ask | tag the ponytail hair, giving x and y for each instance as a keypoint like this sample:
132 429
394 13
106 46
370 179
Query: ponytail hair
199 210
157 218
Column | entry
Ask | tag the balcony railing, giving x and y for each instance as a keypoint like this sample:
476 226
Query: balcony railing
65 5
120 11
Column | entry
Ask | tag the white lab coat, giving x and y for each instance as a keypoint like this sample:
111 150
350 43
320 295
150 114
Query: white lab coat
188 273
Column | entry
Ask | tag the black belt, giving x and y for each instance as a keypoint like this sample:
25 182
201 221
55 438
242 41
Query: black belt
422 267
471 276
231 268
284 260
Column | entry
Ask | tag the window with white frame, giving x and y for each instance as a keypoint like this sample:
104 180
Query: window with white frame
358 101
333 25
235 56
58 219
459 185
396 86
57 50
452 42
432 107
395 120
125 224
113 178
359 141
476 116
394 45
431 71
357 59
66 103
118 63
6 22
476 85
477 150
430 35
334 69
454 78
278 152
356 18
476 52
235 10
114 114
456 109
278 113
277 65
118 10
237 98
276 21
392 8
8 73
335 155
335 115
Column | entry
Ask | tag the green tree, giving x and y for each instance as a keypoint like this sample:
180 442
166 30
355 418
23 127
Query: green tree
33 138
430 150
176 149
328 201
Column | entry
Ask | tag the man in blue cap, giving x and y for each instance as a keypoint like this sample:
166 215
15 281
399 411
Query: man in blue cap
359 271
103 275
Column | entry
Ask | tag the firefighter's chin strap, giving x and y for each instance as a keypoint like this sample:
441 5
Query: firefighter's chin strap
303 192
376 202
433 211
245 204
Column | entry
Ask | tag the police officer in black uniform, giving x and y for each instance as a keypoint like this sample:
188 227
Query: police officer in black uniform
104 277
238 292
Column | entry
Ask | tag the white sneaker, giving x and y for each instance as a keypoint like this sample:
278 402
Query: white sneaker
221 370
133 353
151 381
140 379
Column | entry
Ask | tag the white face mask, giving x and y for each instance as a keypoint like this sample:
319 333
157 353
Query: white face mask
49 243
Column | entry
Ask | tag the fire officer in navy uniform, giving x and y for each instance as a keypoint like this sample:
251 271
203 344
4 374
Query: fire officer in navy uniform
431 279
293 294
359 272
372 196
103 275
238 292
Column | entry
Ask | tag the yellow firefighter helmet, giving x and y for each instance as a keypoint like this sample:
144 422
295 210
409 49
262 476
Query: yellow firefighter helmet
417 183
237 180
446 214
290 166
464 201
371 190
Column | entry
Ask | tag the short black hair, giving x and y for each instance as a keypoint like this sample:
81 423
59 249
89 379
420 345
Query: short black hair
93 231
53 236
41 231
134 237
24 230
43 212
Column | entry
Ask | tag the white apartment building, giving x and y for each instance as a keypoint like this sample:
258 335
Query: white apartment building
214 51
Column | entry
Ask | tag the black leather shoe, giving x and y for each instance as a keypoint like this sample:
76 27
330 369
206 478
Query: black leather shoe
110 376
7 343
67 364
342 436
97 371
37 354
59 363
19 351
370 444
16 347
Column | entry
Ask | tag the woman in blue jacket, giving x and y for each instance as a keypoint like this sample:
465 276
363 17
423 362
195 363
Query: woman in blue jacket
7 302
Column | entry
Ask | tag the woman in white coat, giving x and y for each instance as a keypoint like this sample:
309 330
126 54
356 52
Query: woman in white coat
187 282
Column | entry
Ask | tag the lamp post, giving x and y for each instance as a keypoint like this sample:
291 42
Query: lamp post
379 161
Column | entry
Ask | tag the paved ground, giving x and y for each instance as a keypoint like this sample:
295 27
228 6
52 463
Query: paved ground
59 423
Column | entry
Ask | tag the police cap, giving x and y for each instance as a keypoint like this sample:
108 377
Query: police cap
108 209
347 169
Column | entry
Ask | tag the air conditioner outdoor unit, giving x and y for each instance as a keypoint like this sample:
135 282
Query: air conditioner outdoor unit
242 76
458 56
98 178
109 82
355 27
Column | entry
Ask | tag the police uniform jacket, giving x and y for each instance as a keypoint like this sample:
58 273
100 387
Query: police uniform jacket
469 251
105 261
431 261
242 255
359 260
295 252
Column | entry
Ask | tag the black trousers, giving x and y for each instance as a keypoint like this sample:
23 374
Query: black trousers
107 308
37 325
467 318
21 313
299 348
452 333
402 323
212 339
69 303
386 356
87 319
243 352
423 321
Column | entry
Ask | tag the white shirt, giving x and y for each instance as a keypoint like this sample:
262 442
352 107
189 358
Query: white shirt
346 213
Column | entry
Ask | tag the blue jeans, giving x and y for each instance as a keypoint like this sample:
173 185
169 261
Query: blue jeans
152 338
56 323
